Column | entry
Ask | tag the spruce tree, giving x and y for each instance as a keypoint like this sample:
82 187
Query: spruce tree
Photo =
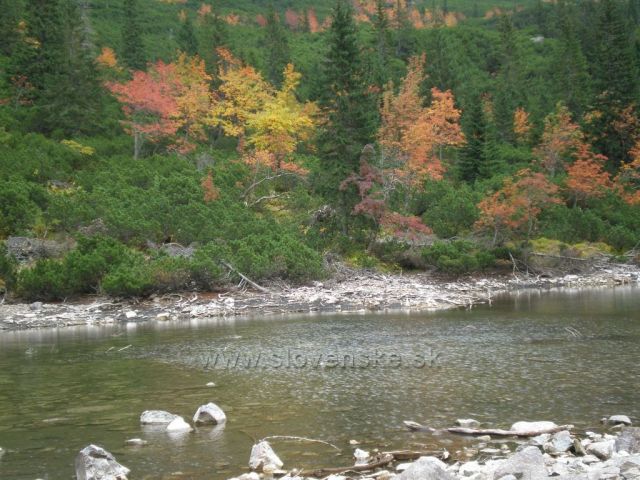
349 110
616 79
570 70
214 35
72 101
472 155
382 39
277 46
133 52
187 40
9 18
508 83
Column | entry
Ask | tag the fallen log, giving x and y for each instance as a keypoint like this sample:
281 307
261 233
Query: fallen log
497 432
403 455
379 461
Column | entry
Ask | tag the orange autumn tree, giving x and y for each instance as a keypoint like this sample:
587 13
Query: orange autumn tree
521 125
516 206
169 102
149 102
560 140
586 177
412 137
242 93
627 182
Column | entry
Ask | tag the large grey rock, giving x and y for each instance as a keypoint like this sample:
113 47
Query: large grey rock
25 249
619 420
524 427
426 468
561 442
628 440
603 450
209 414
468 422
95 463
528 464
263 455
156 417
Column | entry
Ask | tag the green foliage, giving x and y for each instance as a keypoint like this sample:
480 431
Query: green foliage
458 257
8 270
17 207
449 209
133 52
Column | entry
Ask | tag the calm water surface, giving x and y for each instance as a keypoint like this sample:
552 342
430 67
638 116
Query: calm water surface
570 357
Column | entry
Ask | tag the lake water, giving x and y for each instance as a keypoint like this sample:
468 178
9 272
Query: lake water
569 357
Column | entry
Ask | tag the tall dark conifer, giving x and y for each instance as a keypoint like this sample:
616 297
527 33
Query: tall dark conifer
133 52
344 99
472 155
509 83
187 40
616 79
570 70
278 47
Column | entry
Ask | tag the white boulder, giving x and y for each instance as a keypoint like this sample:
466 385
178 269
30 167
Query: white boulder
156 417
95 463
179 425
209 413
262 455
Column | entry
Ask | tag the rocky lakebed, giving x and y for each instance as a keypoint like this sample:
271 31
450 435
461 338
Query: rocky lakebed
526 451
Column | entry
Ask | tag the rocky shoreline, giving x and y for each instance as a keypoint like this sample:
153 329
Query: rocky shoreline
355 291
527 451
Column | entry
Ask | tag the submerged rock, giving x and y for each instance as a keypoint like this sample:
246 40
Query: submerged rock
156 417
262 455
527 463
95 463
179 425
426 468
468 423
209 414
135 442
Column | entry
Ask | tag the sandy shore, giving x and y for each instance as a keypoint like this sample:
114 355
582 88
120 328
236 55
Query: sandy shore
356 291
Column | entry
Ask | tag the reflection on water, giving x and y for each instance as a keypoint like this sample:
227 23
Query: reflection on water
570 357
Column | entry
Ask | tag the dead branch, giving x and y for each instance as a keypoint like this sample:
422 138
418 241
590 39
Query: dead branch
300 439
498 432
403 455
379 461
251 187
264 198
243 277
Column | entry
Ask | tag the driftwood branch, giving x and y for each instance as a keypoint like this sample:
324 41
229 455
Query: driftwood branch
379 461
243 277
403 455
300 439
498 432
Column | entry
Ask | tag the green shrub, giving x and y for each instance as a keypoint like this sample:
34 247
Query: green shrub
458 257
8 270
47 280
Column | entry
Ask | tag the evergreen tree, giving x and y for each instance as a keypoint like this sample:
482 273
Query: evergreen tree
187 39
214 35
382 58
509 83
616 78
73 98
616 71
133 52
349 110
277 46
570 71
405 42
472 154
8 25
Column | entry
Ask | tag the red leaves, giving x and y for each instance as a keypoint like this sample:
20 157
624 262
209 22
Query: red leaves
517 204
210 191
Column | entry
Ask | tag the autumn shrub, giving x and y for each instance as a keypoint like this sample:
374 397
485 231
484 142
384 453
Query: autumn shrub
457 257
